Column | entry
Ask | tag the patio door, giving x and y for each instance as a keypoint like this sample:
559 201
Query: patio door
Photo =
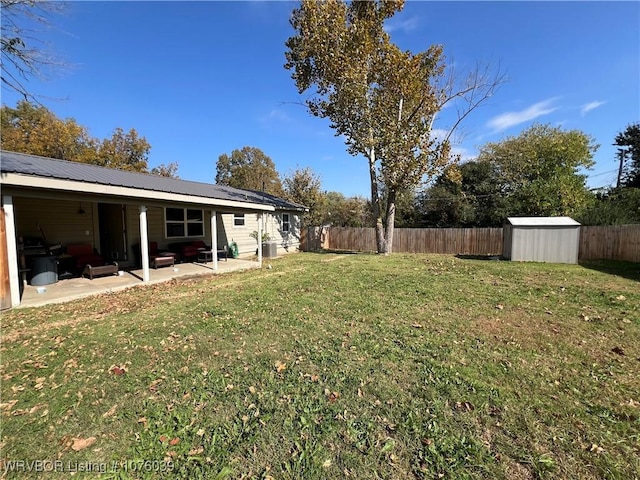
113 231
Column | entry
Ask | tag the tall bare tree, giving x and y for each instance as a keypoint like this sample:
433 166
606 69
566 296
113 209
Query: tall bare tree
381 99
24 53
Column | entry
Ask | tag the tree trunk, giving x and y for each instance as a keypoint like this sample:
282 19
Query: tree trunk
375 203
391 219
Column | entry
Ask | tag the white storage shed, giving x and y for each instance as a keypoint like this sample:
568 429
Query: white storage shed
541 239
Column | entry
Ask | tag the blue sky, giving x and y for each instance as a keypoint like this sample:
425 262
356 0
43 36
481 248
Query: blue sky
199 79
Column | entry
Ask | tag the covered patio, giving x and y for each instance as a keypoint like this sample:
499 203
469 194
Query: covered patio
110 219
76 288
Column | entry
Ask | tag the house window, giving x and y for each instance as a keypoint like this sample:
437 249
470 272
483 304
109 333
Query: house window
286 223
184 222
238 220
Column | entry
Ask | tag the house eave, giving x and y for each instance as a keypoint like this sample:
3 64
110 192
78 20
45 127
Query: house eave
45 183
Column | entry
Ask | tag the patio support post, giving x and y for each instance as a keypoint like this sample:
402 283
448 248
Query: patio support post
214 240
144 243
260 215
12 250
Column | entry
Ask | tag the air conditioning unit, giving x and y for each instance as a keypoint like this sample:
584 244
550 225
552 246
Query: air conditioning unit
270 249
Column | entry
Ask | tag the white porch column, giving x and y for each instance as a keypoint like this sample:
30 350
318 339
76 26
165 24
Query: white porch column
214 240
144 243
260 215
12 250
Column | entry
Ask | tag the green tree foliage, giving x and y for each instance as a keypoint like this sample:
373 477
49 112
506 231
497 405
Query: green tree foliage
619 206
628 143
468 195
303 186
539 170
251 169
344 211
23 54
37 131
381 99
124 151
166 170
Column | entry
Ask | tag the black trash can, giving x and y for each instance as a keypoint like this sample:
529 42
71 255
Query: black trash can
44 270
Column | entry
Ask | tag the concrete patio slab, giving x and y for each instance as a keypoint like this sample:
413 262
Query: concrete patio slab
75 288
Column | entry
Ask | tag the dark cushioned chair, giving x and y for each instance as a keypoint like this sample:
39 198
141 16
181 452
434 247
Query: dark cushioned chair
158 258
188 251
83 255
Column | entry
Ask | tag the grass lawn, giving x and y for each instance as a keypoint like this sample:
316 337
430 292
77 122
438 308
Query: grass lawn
332 366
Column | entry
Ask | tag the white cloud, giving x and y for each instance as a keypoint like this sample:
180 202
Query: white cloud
439 134
511 119
587 107
407 25
275 115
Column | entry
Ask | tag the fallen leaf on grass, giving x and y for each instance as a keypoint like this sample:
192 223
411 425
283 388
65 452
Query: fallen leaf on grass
174 441
35 408
280 366
196 451
465 406
117 370
416 325
8 405
331 396
596 448
110 412
82 443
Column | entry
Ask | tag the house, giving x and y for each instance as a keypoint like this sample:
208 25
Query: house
118 213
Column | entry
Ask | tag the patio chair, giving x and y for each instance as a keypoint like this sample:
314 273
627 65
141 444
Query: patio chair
83 255
160 259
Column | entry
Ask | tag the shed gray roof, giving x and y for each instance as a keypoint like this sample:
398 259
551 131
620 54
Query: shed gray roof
23 164
542 221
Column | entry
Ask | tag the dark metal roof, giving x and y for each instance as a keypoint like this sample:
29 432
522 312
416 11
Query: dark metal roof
23 164
279 203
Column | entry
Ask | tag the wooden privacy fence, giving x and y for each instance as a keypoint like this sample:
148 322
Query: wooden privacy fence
615 242
596 243
464 241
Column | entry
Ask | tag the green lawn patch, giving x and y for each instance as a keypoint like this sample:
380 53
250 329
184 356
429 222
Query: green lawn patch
333 366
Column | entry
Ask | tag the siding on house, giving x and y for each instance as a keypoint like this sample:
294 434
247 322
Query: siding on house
272 224
59 219
62 223
286 241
